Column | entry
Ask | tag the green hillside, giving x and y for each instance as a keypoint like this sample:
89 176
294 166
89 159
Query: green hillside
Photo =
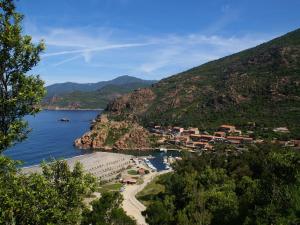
91 96
259 85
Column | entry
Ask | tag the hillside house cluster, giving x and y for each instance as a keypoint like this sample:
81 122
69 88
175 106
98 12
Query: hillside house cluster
194 139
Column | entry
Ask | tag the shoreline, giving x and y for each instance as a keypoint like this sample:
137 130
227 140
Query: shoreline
90 162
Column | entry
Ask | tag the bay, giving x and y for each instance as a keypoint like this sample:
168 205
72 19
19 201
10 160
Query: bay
51 138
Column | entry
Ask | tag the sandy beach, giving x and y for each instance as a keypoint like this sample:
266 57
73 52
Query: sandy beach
104 165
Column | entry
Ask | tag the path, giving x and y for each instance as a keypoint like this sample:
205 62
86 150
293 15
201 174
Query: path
131 205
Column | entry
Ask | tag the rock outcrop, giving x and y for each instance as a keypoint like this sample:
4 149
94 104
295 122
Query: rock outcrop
109 134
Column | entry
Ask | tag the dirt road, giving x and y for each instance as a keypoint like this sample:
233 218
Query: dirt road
131 205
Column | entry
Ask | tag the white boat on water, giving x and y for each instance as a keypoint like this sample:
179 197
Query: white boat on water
165 160
163 149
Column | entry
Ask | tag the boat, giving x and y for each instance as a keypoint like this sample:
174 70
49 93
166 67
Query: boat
163 149
165 160
64 120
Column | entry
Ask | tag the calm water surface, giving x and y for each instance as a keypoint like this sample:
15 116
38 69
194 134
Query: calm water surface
51 138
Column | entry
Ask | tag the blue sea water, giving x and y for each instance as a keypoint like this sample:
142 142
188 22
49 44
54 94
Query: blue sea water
51 138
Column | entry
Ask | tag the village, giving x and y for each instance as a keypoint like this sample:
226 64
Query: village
192 139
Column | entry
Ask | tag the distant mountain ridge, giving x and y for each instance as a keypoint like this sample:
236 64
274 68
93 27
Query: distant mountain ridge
68 87
90 95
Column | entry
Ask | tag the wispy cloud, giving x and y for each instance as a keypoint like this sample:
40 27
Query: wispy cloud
154 56
96 49
80 43
182 52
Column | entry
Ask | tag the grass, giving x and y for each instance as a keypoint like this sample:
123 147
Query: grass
110 187
140 181
147 195
132 172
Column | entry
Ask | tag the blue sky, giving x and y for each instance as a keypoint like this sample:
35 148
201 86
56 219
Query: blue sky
95 40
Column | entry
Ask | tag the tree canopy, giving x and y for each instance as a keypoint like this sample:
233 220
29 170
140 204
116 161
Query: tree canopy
20 93
53 197
261 186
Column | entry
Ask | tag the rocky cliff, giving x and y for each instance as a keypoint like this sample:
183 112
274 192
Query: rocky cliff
109 134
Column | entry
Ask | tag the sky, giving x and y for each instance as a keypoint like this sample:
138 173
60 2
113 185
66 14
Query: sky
94 40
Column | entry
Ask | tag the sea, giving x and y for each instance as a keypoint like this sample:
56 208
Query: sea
51 138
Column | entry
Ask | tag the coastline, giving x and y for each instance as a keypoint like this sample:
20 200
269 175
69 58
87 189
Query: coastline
92 163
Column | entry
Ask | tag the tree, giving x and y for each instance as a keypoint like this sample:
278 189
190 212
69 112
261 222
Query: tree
107 211
20 94
258 186
53 197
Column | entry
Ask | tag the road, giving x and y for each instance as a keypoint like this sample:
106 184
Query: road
131 205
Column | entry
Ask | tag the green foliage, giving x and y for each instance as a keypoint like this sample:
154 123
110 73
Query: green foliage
115 134
110 187
53 197
132 172
97 99
107 210
147 195
19 94
260 186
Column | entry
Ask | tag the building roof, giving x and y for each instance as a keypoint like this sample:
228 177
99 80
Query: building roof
220 132
227 126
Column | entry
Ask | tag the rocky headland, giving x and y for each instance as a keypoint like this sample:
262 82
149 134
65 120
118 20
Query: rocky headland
118 135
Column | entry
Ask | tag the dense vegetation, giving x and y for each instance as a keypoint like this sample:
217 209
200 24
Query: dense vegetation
91 96
53 197
261 186
259 85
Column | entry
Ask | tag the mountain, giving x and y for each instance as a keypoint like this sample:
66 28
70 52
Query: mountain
258 87
68 87
91 95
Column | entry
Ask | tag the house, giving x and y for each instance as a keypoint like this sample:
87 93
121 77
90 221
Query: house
129 181
201 137
184 139
218 140
203 145
161 141
193 130
199 145
227 128
221 134
239 139
177 130
235 139
238 132
190 144
281 130
141 171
